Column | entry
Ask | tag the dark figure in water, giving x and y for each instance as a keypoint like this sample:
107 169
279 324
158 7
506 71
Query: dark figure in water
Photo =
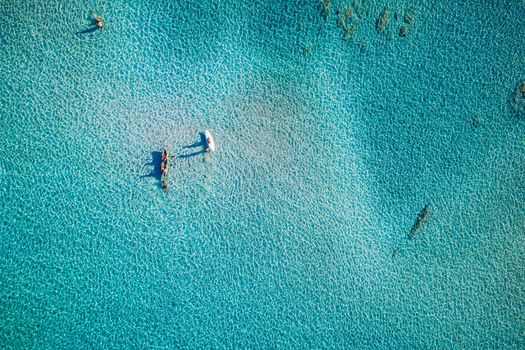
421 218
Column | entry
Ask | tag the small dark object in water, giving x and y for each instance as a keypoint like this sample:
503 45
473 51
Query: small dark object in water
476 122
421 218
403 32
307 49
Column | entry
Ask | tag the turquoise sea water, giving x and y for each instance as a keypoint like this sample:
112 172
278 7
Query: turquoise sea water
294 233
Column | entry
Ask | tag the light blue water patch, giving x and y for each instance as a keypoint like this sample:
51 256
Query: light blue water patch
294 234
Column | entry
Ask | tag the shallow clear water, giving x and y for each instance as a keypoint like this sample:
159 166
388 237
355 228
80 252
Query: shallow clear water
294 233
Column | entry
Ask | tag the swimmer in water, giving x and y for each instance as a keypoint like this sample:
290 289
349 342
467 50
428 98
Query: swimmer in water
99 21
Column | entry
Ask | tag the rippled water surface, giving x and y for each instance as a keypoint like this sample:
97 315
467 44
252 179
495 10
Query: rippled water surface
294 234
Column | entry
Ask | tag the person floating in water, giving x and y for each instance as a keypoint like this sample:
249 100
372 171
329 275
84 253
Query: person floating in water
164 164
99 21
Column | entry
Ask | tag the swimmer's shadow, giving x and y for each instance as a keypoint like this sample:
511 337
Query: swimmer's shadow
156 160
189 155
87 31
199 143
93 28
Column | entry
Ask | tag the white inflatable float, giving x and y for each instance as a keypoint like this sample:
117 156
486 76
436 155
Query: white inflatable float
210 144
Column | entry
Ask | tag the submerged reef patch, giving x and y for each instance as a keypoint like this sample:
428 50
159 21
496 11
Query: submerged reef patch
409 20
350 33
518 99
383 21
345 22
410 15
307 49
352 17
349 16
363 44
361 8
476 122
326 8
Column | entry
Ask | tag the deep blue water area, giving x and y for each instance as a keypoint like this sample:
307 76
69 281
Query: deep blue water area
295 232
